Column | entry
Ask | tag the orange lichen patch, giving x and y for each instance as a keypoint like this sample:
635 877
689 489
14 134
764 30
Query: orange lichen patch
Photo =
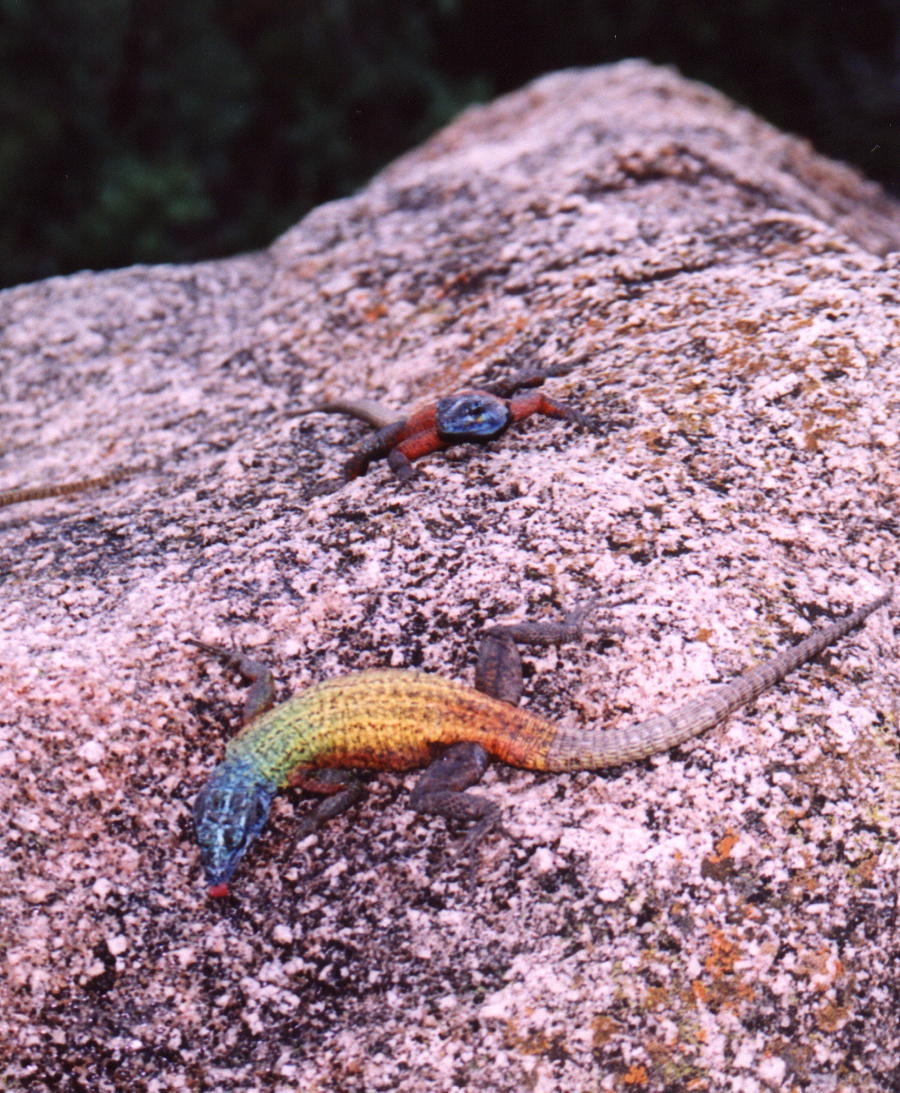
723 955
700 991
603 1029
823 968
635 1075
723 848
375 312
532 1043
718 864
832 1018
658 998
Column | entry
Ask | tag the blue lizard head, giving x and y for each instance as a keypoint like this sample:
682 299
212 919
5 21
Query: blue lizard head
471 415
229 813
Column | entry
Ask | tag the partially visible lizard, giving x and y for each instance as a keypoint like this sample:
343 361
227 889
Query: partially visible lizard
390 719
476 415
38 493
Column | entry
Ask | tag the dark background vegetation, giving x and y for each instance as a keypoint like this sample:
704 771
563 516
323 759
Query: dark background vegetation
148 131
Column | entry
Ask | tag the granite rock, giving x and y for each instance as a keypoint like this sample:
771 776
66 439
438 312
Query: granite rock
723 917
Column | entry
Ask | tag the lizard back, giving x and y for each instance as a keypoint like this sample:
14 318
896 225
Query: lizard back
387 719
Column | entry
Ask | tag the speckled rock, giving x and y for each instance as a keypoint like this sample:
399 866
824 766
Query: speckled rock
720 918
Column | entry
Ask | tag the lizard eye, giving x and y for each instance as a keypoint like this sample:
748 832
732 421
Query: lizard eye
232 837
246 813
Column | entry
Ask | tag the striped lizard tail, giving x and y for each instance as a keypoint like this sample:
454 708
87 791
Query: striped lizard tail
580 749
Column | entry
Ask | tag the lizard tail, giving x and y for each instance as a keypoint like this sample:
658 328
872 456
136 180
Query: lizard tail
62 489
580 749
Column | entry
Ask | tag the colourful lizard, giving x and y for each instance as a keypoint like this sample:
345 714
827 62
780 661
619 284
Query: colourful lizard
390 719
475 415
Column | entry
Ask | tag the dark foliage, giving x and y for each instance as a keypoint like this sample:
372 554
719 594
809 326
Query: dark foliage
140 130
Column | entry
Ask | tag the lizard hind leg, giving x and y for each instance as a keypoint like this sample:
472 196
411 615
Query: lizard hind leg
498 672
440 791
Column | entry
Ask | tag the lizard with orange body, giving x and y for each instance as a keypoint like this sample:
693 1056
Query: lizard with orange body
477 415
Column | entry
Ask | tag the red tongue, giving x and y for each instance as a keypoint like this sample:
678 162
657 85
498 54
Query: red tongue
218 891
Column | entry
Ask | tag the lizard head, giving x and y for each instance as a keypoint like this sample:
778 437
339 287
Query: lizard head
471 415
229 813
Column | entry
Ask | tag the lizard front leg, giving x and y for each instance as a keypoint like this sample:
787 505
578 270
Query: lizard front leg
536 402
401 458
261 695
342 790
529 377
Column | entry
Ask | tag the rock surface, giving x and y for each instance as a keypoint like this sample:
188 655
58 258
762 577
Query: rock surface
719 918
